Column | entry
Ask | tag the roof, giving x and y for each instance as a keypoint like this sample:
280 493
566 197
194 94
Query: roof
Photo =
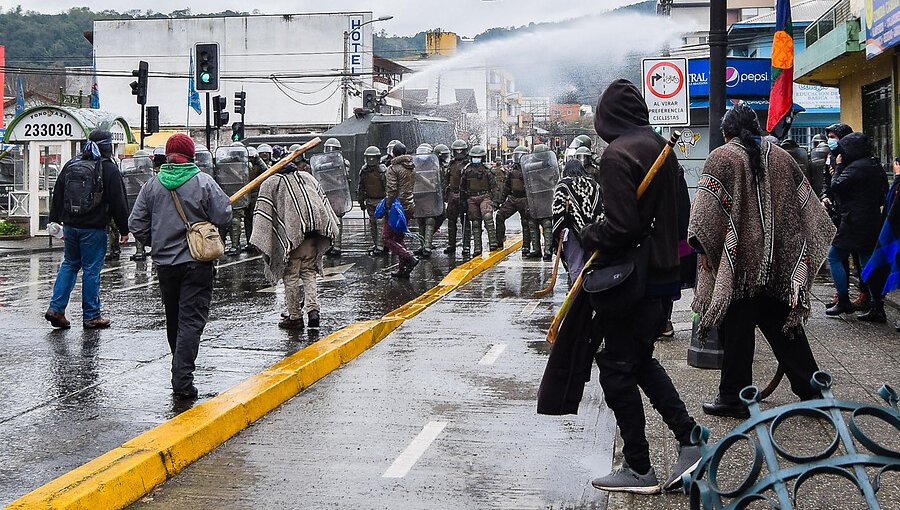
389 65
28 95
802 12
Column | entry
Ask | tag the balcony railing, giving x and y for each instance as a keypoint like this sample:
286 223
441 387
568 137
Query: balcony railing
837 15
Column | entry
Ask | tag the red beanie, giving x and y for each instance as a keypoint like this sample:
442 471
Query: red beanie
180 149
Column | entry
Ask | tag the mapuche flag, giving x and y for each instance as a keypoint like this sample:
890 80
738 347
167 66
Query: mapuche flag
781 97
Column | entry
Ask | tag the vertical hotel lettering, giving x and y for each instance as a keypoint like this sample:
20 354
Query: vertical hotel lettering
355 45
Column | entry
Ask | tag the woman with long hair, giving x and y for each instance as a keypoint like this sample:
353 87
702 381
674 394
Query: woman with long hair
762 236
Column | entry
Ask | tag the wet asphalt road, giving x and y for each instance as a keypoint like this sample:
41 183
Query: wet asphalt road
69 396
440 414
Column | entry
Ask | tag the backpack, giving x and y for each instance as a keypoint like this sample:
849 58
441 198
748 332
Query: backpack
82 186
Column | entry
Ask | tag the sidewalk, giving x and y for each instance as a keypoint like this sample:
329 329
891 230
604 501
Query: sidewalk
29 246
861 357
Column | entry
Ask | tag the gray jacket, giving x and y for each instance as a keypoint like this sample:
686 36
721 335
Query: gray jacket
154 221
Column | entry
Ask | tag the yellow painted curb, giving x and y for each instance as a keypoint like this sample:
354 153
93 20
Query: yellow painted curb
122 476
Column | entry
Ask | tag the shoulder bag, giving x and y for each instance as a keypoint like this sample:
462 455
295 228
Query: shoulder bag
203 237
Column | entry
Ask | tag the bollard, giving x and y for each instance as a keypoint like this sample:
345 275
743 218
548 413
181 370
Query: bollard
706 350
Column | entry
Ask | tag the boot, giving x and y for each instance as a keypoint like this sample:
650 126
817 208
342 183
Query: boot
451 236
547 227
476 238
493 243
379 240
526 235
842 306
862 301
834 300
500 228
535 239
429 237
875 313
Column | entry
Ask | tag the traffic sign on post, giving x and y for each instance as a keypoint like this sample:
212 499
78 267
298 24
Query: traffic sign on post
666 91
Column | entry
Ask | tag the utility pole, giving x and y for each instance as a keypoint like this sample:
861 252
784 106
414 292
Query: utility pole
345 76
718 46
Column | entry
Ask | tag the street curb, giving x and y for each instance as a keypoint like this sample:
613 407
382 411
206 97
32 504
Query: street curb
125 474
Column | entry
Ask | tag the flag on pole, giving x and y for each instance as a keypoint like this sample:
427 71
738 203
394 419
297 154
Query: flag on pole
20 97
781 97
193 95
95 89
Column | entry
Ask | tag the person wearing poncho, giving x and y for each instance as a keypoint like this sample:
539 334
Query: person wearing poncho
293 226
762 236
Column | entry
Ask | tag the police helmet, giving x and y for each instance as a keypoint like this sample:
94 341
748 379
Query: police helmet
424 148
332 145
541 148
518 152
145 154
237 144
252 152
477 151
459 148
585 141
264 148
372 155
441 149
390 146
293 147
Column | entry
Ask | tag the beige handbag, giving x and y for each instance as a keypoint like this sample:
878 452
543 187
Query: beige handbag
203 237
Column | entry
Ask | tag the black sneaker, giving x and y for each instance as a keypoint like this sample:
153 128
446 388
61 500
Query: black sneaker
186 394
313 319
626 479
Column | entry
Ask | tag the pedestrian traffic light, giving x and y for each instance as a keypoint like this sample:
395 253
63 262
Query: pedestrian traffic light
206 75
370 99
220 116
237 131
557 141
139 87
152 119
240 103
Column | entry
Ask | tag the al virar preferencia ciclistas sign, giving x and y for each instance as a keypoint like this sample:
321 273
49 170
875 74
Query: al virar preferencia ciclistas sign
665 85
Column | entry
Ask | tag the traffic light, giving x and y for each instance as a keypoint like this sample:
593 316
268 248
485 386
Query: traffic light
152 119
220 116
240 103
370 99
139 87
206 75
237 131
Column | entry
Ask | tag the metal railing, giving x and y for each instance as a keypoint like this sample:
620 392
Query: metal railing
837 15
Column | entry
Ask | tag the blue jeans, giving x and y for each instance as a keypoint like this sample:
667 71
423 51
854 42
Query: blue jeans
838 260
84 250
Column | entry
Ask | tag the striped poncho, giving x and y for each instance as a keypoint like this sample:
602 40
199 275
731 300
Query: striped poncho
290 207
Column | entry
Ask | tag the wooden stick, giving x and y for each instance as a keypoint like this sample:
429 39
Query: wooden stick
773 384
274 169
546 292
576 287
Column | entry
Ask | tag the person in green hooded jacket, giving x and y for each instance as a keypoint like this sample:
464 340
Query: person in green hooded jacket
185 284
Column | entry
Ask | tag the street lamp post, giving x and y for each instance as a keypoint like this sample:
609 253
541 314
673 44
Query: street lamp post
345 78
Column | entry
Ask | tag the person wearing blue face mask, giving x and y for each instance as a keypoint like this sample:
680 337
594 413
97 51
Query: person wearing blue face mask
479 186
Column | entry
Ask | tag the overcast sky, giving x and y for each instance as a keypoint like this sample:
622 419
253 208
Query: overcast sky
465 17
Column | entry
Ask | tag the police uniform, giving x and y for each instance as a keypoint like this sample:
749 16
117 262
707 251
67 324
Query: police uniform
479 186
369 193
514 200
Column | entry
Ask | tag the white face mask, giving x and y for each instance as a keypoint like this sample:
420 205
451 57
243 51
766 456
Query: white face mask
476 161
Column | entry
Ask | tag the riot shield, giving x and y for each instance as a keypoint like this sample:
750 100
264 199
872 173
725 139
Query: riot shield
541 174
135 173
427 191
233 172
204 161
329 170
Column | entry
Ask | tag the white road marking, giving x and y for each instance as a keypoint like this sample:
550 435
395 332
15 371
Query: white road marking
414 451
529 309
493 353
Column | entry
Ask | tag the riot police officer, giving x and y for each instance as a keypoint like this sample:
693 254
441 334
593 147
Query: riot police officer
258 166
300 161
134 176
443 154
541 173
389 150
513 199
265 153
232 174
369 193
456 206
479 187
818 158
586 157
333 145
428 196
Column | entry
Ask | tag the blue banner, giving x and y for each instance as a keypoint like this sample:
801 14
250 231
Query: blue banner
882 26
745 78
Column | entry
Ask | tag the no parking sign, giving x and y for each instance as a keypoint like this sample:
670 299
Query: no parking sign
666 91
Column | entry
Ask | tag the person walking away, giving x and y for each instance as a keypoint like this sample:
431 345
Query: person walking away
88 194
858 187
333 145
293 239
577 203
626 334
370 192
456 205
479 187
513 200
185 284
541 212
399 181
762 238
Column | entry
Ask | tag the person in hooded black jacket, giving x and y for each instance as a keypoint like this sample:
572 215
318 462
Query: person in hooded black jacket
858 187
626 360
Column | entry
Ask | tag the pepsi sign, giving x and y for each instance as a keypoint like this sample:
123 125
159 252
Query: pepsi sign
744 77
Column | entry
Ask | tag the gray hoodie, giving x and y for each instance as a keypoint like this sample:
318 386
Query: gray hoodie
154 221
